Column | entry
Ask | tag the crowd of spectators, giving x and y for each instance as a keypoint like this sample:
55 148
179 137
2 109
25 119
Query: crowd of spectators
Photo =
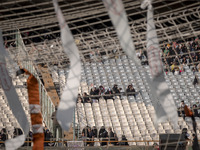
97 92
176 55
107 137
195 110
17 131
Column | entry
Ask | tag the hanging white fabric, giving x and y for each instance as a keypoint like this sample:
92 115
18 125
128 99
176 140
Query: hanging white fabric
119 19
69 96
13 101
165 107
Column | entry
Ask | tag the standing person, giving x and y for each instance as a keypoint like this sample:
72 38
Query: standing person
182 109
195 145
91 137
195 110
196 81
47 137
56 126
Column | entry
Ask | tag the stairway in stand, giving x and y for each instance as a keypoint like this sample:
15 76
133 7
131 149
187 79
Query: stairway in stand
49 85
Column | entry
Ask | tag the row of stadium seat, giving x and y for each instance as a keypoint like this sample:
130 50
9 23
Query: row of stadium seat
7 119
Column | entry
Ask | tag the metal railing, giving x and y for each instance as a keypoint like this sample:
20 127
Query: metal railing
47 107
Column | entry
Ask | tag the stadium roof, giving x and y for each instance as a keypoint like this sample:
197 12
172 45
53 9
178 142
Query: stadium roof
91 25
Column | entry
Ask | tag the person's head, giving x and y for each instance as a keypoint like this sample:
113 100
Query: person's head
83 134
109 129
182 102
184 130
84 94
4 130
194 106
155 145
103 127
123 137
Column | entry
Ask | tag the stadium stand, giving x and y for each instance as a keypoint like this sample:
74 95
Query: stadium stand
131 116
104 64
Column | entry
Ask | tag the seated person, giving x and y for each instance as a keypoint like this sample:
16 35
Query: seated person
3 136
124 140
108 94
103 134
86 98
94 91
115 139
130 91
94 130
116 90
101 90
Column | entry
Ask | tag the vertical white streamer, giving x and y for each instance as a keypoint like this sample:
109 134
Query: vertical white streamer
118 16
119 19
13 101
69 96
165 102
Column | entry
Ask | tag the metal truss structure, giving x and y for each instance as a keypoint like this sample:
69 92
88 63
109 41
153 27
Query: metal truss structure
176 20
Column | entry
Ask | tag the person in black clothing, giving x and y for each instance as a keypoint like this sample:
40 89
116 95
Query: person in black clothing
3 136
91 137
17 132
108 94
28 139
101 90
186 136
195 80
110 135
94 91
195 111
47 137
130 91
195 145
124 140
115 139
86 98
103 134
116 90
94 130
85 131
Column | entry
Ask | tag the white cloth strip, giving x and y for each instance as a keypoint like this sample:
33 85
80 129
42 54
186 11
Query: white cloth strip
69 96
37 128
164 105
13 144
13 101
119 19
34 108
